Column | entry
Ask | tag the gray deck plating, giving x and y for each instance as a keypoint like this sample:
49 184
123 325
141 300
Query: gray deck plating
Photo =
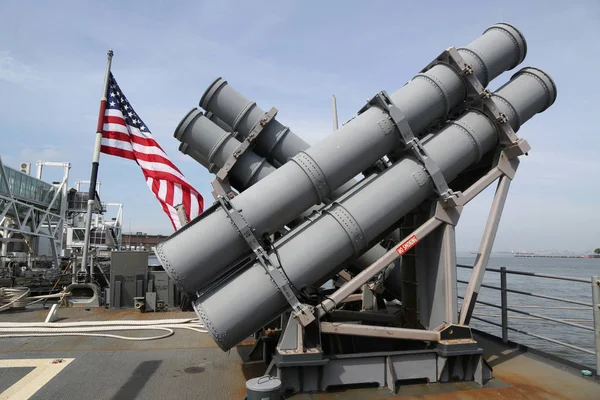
186 365
189 365
141 374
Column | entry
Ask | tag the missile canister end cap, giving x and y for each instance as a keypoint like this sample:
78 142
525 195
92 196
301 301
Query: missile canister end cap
546 80
184 147
218 338
185 123
210 91
518 37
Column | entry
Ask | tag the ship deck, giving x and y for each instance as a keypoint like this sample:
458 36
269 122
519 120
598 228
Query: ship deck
189 365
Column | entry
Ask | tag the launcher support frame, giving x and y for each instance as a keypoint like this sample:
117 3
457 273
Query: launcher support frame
445 214
299 359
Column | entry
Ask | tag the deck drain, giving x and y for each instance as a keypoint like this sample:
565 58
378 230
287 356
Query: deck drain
193 370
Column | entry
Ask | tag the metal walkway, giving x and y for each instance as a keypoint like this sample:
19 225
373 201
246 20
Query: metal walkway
32 207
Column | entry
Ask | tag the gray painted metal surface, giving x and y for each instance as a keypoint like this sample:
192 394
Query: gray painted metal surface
436 277
384 369
277 142
197 254
209 141
263 388
187 365
485 250
127 268
150 302
346 227
161 286
205 138
211 146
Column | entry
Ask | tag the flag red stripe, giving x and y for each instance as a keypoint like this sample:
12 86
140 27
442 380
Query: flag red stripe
156 175
113 151
139 155
111 119
139 145
165 176
170 190
156 186
134 138
130 138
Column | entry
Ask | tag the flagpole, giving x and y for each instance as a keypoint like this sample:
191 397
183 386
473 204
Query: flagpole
95 163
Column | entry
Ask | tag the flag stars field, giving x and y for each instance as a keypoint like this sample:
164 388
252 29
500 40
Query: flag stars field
125 135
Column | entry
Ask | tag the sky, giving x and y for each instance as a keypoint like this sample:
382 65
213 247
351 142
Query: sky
295 55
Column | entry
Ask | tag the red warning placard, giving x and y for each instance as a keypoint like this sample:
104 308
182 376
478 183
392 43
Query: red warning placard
407 245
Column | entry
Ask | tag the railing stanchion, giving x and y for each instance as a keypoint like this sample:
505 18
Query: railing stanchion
504 304
596 304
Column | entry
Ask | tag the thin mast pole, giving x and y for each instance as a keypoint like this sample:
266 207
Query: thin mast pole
335 113
95 163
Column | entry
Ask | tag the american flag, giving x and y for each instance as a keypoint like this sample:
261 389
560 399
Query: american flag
125 135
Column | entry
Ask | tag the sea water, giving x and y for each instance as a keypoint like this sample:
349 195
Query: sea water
577 267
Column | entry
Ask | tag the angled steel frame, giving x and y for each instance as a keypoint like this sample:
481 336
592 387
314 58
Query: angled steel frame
34 220
447 213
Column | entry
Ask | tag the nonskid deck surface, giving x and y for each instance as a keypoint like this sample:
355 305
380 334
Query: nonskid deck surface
189 365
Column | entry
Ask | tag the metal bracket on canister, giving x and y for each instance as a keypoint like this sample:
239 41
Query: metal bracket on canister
478 97
302 312
382 100
221 183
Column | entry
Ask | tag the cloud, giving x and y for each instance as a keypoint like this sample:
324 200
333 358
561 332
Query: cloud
552 203
565 167
33 155
287 55
46 153
14 71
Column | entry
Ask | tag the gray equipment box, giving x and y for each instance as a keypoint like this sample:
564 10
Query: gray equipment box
128 277
164 287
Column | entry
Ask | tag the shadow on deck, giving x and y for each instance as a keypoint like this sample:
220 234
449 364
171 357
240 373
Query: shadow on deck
189 365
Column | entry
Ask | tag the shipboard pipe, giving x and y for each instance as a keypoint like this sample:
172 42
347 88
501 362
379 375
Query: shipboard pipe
196 256
247 301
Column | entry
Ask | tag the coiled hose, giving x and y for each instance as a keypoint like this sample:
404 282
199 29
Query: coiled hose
16 298
97 328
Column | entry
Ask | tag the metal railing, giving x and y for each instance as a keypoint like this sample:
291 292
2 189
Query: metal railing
575 323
